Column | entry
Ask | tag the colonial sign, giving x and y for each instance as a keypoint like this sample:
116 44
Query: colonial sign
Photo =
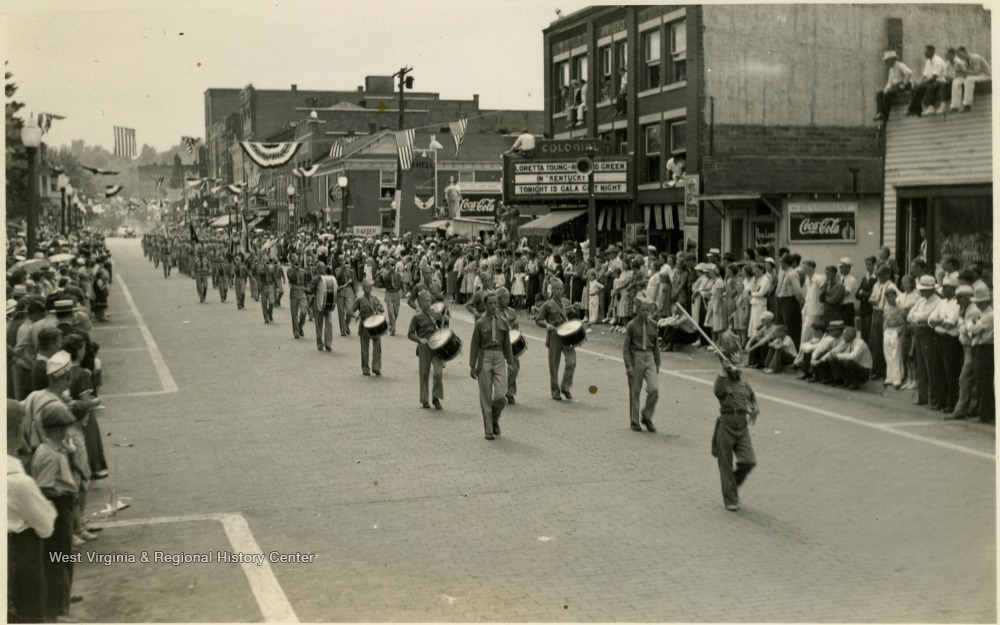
533 180
811 222
568 147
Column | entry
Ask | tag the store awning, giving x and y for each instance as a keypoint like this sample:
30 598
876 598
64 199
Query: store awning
546 223
729 196
434 226
260 222
220 222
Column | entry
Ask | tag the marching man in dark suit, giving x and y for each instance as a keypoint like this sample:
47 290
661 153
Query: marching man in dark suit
490 356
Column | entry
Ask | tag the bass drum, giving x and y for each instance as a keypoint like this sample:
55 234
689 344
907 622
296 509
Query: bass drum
376 325
517 343
326 293
445 344
571 333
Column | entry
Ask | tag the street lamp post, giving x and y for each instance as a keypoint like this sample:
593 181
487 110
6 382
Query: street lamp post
67 224
31 137
63 183
345 217
290 191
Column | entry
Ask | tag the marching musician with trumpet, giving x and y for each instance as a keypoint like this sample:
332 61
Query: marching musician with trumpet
365 306
490 358
424 324
551 314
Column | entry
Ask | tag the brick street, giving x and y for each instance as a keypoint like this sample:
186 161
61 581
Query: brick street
862 507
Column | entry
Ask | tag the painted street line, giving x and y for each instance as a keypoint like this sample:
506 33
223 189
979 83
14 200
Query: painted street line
167 380
267 591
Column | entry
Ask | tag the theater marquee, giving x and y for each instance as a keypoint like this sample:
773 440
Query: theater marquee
820 222
539 181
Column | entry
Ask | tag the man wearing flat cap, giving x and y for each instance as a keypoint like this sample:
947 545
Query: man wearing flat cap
51 468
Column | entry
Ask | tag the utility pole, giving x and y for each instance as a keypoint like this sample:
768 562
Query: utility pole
407 83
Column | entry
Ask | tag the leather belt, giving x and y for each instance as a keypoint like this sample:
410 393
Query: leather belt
736 413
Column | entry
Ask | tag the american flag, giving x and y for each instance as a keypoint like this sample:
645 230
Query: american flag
253 180
125 142
458 132
158 180
45 120
404 143
190 143
337 149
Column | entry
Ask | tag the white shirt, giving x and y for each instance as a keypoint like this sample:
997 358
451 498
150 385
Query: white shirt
851 287
877 298
947 311
899 74
27 507
934 68
668 270
814 285
525 141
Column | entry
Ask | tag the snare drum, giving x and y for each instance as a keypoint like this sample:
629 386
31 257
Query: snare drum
571 333
376 325
517 343
445 344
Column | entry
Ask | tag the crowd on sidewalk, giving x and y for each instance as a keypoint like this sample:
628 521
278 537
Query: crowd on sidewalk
54 446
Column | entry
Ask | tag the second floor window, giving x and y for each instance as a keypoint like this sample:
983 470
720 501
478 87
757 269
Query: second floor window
651 149
466 176
651 60
678 138
387 184
561 93
608 90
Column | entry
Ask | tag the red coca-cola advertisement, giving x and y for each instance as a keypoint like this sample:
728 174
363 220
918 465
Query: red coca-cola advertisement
822 221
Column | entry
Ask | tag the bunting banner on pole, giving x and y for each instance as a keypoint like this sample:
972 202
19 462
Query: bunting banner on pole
270 155
99 171
112 190
254 180
301 172
125 142
458 132
158 180
236 189
193 183
190 143
404 144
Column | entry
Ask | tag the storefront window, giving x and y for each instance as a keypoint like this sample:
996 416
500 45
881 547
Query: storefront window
964 229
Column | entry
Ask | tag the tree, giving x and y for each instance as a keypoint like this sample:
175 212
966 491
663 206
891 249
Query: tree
17 157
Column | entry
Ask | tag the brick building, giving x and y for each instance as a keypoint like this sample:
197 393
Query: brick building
770 106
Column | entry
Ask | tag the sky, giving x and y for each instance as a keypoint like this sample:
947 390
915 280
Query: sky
113 64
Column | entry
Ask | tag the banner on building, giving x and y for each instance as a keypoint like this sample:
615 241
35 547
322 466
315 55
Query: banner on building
692 198
817 222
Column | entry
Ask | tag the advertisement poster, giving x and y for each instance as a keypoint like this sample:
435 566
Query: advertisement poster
765 234
636 234
691 239
820 222
692 198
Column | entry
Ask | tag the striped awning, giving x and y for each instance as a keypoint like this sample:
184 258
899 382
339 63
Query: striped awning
661 216
611 218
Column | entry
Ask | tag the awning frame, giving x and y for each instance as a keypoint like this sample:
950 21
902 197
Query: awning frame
558 218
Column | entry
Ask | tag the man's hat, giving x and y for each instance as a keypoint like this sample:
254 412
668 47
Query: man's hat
925 283
845 262
55 414
888 54
965 289
767 314
11 305
714 251
949 281
58 364
20 291
63 306
836 324
982 294
769 260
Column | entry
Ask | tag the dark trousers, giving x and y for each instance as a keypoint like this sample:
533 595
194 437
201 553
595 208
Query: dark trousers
758 357
732 438
376 359
849 372
59 575
927 94
25 578
952 358
923 338
345 298
789 314
874 342
883 100
938 374
200 283
982 363
847 314
267 301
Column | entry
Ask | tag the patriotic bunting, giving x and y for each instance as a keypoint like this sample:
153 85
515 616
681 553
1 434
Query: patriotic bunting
190 143
125 142
236 189
254 180
158 180
45 120
216 189
404 144
99 171
195 182
423 205
301 172
270 155
112 190
458 132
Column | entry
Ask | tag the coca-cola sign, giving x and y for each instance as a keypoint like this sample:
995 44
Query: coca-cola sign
473 205
822 221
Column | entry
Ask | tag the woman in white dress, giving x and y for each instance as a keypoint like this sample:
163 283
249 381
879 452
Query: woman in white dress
758 297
